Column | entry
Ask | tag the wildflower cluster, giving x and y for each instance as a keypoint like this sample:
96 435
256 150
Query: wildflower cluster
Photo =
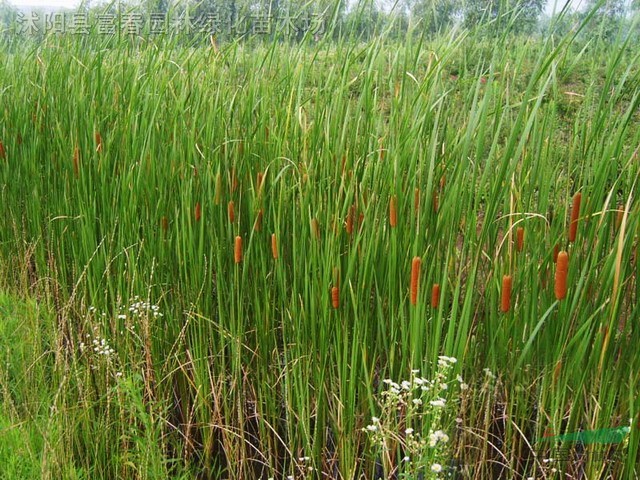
411 422
138 308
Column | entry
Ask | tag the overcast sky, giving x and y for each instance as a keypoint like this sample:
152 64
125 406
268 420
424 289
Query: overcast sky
72 3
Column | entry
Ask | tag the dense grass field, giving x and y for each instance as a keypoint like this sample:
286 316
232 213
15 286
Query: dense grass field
333 260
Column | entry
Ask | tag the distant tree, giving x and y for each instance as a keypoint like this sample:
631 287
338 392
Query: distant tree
608 18
519 15
435 15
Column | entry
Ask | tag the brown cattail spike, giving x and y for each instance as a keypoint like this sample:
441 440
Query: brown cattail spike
164 223
234 180
198 212
619 215
575 214
435 295
556 249
231 211
393 218
415 279
76 161
98 142
274 246
259 183
519 238
3 153
350 216
562 269
416 199
237 250
315 228
335 297
505 301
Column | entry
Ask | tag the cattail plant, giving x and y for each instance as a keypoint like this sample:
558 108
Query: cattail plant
350 215
619 216
416 199
98 138
562 269
335 297
556 249
231 212
76 161
259 181
435 295
198 212
315 228
519 239
164 224
237 250
274 246
575 214
3 153
505 301
393 218
415 279
234 180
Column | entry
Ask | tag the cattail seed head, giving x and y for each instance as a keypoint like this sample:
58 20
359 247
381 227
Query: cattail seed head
505 301
76 161
562 269
3 153
556 249
164 224
274 246
259 180
415 279
231 212
237 250
350 215
435 295
619 216
575 214
315 228
198 212
234 180
335 297
393 219
98 142
519 238
416 199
